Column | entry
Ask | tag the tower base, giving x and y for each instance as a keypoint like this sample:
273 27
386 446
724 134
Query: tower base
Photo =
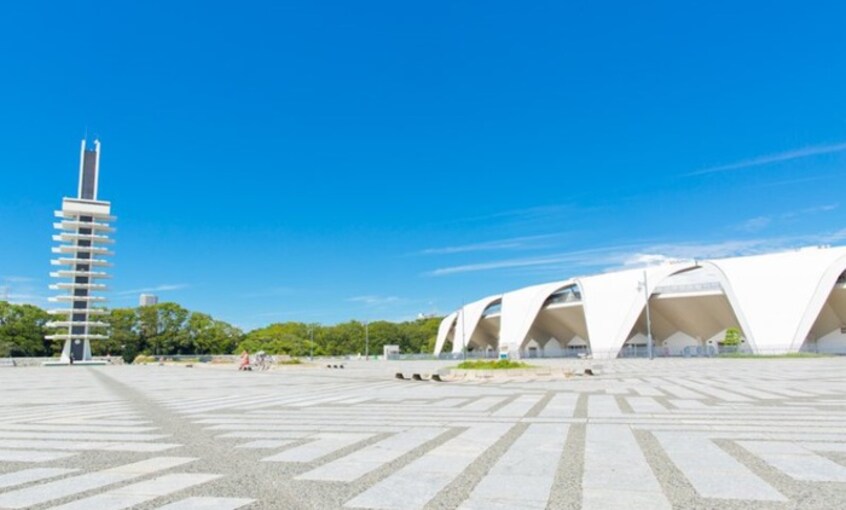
76 350
67 363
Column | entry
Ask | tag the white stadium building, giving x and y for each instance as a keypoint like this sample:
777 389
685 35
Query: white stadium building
780 302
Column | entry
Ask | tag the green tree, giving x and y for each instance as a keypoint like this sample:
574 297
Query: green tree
420 335
124 336
148 328
22 330
384 333
172 337
732 337
168 328
289 338
208 336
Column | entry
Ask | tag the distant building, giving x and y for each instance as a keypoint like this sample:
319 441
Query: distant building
391 351
148 300
83 233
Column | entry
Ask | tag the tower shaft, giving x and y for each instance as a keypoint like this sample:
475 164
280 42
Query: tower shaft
83 239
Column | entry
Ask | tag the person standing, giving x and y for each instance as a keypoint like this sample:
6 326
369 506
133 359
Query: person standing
245 361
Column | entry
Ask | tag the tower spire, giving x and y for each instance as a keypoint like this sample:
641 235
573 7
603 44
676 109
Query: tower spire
89 171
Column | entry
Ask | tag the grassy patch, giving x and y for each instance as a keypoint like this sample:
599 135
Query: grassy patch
292 361
789 355
500 364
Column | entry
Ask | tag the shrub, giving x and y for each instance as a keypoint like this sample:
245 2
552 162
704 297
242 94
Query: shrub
732 337
500 364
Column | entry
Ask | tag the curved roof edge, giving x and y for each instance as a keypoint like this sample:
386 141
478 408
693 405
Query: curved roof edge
468 320
520 308
443 331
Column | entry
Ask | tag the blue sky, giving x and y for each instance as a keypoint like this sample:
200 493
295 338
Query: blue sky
321 161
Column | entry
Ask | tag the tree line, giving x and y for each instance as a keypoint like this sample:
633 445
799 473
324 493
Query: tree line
169 329
353 337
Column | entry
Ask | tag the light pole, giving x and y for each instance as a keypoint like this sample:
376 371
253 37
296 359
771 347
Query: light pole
311 342
463 341
645 286
366 341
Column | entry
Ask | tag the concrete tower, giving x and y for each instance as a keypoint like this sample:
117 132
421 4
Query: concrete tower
83 236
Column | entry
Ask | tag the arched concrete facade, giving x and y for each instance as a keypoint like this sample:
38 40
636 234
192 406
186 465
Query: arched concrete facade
446 327
777 297
486 335
828 334
692 320
823 293
468 321
777 300
520 308
559 328
614 301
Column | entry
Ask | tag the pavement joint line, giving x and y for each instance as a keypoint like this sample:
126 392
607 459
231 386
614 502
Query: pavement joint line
752 430
214 455
566 493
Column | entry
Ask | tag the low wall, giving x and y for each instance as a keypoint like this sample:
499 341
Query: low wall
37 362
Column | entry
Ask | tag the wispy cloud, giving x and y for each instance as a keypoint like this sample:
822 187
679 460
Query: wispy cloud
371 300
715 250
22 290
647 259
780 157
786 182
167 287
18 279
755 224
22 297
514 243
541 216
588 257
499 264
759 223
811 210
566 264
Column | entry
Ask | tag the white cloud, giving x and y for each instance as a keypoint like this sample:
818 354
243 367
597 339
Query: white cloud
785 182
647 259
774 158
22 290
820 208
499 264
625 256
18 279
574 258
23 298
501 244
374 300
761 222
755 224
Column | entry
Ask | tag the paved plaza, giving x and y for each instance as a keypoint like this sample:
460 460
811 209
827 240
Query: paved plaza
670 433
